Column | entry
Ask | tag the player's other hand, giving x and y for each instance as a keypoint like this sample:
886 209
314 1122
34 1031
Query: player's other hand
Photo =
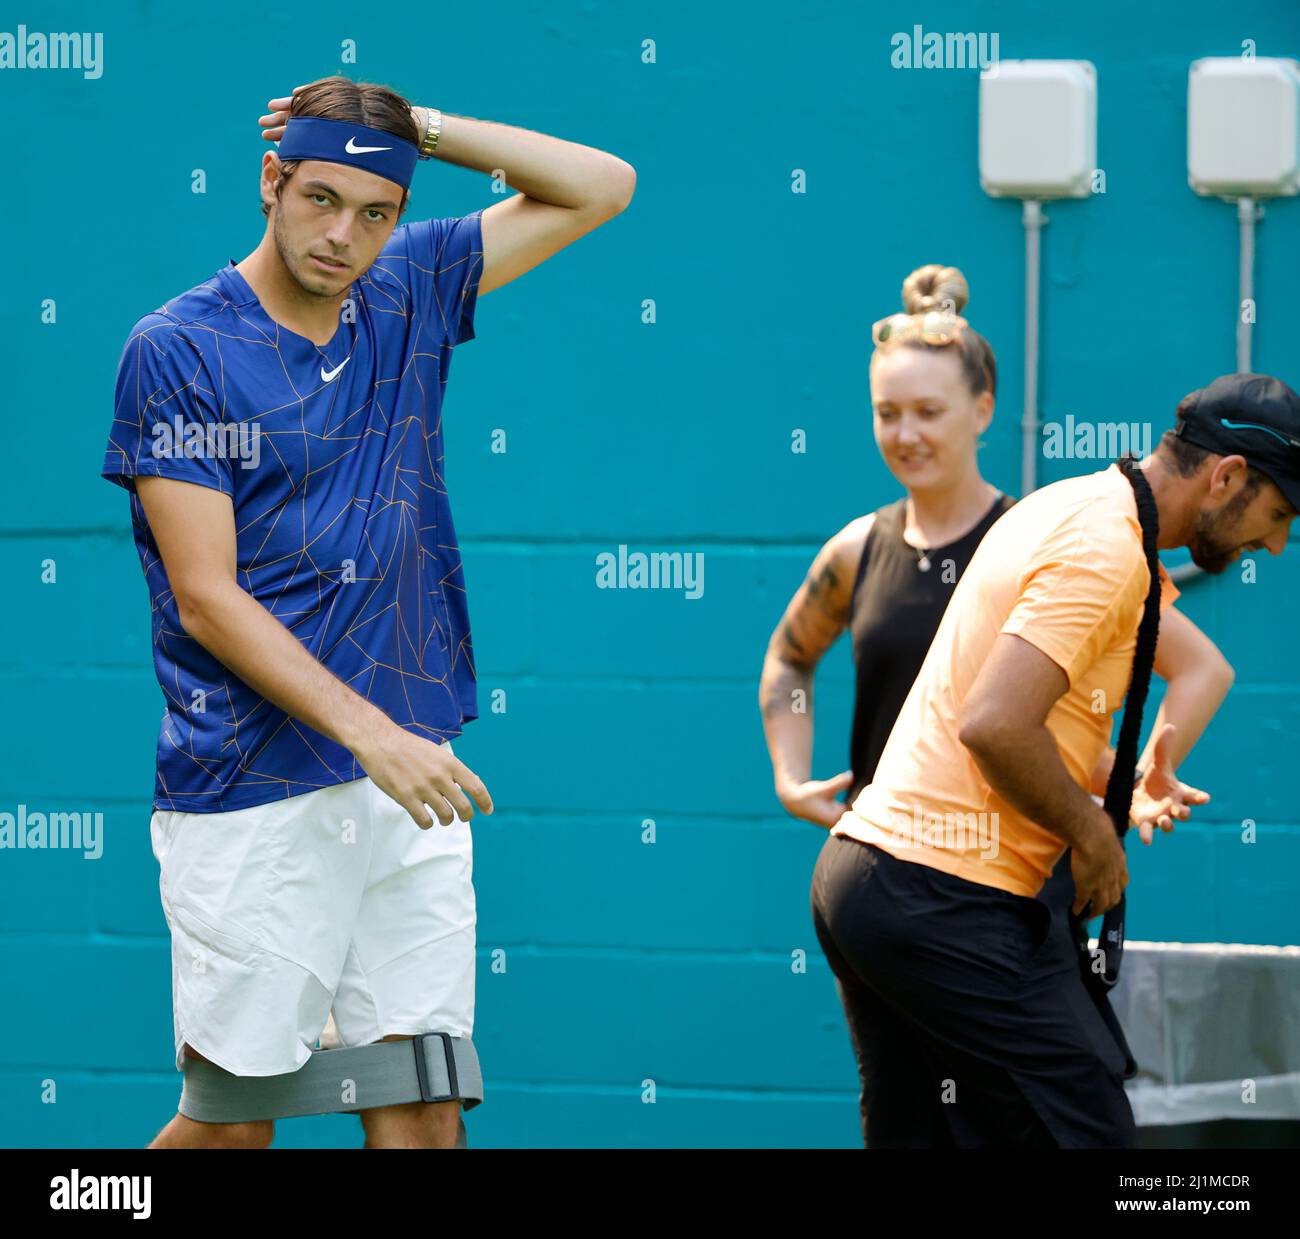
417 773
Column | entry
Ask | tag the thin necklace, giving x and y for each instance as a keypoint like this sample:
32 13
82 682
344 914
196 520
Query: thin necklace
923 552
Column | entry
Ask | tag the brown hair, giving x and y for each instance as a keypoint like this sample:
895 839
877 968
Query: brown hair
361 103
933 287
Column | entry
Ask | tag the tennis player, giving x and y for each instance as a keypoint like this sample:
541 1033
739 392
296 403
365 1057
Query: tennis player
887 577
974 1026
279 427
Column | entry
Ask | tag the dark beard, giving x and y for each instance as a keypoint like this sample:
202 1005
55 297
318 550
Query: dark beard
1213 543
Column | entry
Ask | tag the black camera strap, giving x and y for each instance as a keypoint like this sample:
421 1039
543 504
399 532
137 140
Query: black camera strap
1101 973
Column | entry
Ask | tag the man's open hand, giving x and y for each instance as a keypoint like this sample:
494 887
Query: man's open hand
1160 799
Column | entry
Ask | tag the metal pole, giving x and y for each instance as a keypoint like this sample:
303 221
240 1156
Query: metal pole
1034 220
1246 217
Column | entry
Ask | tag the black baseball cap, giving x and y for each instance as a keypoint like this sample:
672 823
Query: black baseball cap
1250 415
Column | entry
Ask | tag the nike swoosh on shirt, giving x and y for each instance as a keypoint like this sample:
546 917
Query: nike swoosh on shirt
353 149
327 375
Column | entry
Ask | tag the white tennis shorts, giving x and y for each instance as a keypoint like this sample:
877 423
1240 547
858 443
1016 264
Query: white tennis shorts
334 901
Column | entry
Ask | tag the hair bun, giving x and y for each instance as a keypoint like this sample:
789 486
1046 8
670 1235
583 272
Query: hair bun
933 287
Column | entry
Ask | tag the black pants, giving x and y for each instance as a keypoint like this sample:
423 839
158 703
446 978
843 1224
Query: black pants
971 1025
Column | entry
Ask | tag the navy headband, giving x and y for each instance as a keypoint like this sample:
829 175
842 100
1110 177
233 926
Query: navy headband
338 141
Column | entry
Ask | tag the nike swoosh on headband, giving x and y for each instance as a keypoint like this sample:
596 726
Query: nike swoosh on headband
361 150
327 376
1223 421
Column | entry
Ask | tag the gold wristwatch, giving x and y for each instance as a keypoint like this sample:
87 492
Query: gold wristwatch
432 132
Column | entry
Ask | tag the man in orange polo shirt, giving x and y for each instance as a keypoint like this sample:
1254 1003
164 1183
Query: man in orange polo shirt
969 1015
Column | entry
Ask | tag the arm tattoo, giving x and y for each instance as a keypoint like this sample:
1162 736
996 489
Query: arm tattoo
810 621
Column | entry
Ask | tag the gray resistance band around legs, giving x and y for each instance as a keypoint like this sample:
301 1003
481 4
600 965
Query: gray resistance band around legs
429 1067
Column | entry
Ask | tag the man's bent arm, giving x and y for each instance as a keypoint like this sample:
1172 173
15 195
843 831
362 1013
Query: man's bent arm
1003 725
545 168
1197 677
565 190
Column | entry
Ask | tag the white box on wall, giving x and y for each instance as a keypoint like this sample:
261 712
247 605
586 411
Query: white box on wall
1038 128
1243 126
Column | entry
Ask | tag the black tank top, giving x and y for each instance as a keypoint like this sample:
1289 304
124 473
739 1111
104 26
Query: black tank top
894 614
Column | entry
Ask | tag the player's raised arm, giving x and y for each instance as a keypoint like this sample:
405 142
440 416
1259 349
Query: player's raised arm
565 189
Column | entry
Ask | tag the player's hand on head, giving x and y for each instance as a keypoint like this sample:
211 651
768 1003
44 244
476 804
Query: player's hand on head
273 122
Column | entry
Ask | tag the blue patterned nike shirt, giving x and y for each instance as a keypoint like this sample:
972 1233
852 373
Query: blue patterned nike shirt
333 459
